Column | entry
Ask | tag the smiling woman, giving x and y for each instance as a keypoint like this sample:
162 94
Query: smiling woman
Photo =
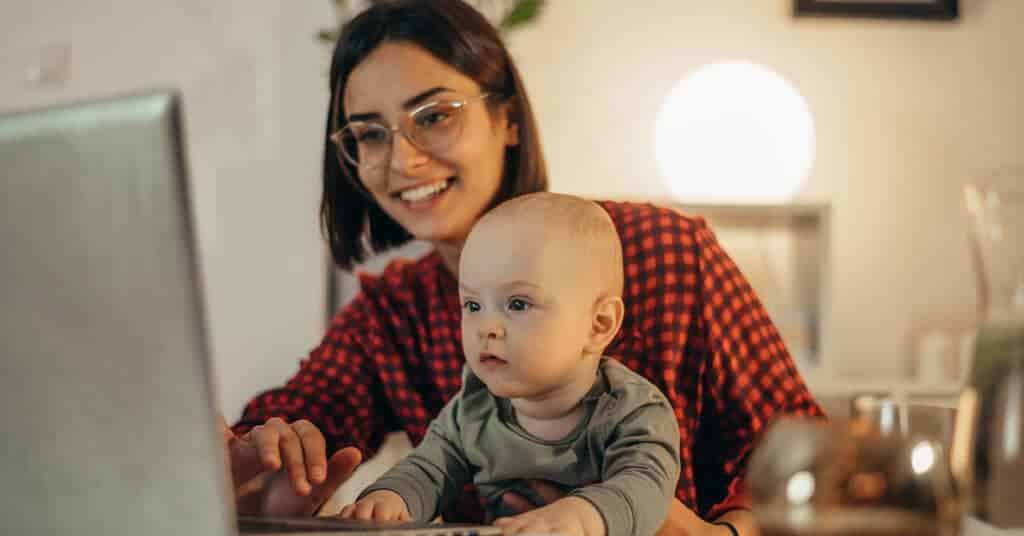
445 167
418 73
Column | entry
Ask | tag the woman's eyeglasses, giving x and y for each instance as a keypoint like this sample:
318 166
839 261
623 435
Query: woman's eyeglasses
433 128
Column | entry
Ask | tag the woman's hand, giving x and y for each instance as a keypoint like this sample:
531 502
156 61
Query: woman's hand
681 521
282 469
571 516
380 505
545 491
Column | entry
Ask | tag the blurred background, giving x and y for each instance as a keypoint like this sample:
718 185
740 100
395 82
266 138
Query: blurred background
836 152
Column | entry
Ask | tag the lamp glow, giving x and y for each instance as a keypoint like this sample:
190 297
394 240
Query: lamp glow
922 457
800 488
734 132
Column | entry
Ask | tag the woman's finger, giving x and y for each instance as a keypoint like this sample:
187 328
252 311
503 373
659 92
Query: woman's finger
314 450
547 491
291 454
225 430
339 468
516 502
267 441
243 458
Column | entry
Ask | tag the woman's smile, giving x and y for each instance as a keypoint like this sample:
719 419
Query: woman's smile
424 195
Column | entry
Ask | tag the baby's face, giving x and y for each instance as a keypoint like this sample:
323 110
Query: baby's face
527 310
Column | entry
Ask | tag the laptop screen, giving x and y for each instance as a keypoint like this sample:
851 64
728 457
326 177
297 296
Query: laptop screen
105 388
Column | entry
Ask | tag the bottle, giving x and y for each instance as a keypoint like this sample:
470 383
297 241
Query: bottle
987 454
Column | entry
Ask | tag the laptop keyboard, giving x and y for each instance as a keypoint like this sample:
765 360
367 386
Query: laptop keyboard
294 525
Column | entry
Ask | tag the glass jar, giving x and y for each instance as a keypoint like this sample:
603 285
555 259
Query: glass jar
987 454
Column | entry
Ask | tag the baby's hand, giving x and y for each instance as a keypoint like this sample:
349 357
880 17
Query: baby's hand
380 505
566 517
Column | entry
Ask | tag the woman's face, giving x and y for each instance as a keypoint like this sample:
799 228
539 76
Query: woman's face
435 196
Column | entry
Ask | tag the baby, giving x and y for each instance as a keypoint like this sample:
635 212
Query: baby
540 279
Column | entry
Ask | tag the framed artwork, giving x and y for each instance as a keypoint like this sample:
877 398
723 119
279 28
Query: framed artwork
908 9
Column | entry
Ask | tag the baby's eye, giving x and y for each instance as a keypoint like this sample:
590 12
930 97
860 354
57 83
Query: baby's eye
518 304
471 306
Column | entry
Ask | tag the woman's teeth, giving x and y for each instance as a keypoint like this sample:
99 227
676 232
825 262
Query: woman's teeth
423 192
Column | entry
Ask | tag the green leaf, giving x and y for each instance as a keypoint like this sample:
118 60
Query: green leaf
328 36
524 12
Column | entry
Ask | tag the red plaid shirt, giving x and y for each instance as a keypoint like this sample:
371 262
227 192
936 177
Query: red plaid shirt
693 326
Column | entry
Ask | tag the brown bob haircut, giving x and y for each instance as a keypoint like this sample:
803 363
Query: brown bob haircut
457 34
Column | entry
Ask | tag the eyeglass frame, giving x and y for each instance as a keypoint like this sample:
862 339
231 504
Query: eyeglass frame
394 130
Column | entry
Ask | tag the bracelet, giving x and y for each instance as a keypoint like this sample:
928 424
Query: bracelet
730 526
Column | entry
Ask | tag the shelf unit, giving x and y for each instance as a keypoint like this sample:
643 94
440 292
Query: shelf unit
782 250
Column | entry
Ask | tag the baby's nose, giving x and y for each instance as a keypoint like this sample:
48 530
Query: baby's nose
492 330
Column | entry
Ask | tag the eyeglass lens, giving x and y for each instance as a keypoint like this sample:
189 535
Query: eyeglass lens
432 128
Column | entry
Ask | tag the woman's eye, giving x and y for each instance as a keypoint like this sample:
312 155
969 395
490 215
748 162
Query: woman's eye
430 119
372 136
471 306
518 304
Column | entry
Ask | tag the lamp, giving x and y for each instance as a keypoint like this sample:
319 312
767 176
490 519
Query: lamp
734 132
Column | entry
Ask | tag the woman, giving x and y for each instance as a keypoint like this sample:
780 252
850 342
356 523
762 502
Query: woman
429 126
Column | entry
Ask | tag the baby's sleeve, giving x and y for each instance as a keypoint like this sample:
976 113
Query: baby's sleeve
435 472
640 468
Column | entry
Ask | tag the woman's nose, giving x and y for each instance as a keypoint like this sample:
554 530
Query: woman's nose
405 157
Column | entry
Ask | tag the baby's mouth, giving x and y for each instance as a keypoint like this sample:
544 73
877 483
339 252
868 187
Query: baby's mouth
491 359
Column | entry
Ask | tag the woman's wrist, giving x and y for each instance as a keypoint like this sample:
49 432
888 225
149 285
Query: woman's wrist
725 528
737 522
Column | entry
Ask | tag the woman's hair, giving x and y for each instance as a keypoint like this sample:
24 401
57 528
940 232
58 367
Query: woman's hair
461 37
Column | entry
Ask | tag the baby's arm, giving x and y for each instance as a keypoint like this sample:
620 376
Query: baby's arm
640 472
422 483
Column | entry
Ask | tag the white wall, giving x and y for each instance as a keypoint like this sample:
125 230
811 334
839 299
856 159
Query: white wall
251 74
904 111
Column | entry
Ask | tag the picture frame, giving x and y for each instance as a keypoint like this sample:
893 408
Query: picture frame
904 9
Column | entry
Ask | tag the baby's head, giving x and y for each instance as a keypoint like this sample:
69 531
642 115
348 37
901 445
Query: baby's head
540 280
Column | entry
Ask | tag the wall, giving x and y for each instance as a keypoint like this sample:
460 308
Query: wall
904 112
252 77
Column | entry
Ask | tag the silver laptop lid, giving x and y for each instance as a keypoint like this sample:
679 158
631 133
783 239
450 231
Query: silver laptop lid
105 388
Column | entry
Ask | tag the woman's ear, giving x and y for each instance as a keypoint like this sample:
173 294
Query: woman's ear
511 124
512 134
605 323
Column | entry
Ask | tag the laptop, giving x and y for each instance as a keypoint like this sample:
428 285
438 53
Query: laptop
106 396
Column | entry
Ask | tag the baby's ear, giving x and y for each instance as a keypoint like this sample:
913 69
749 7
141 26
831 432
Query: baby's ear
605 322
